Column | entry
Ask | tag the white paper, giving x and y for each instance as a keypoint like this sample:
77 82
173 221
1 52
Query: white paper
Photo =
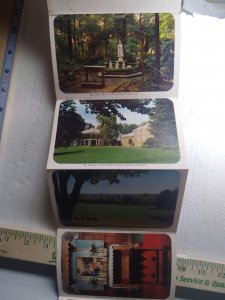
105 6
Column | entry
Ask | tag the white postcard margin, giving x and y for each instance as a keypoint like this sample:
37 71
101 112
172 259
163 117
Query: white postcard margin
104 6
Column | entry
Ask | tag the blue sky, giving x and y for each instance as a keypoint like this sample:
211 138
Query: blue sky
148 182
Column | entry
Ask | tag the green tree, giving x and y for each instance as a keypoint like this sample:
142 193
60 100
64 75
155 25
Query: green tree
167 38
70 124
111 107
162 125
167 199
108 128
127 128
157 51
68 184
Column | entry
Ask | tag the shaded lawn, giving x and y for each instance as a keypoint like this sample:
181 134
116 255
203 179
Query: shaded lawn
109 215
92 154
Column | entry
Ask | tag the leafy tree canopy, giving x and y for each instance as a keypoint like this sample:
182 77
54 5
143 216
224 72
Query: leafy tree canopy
108 127
70 124
126 128
163 124
113 107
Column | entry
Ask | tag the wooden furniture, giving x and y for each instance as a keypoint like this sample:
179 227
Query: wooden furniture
94 76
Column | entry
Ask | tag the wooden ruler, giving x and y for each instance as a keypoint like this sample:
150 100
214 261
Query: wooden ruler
200 274
29 246
41 248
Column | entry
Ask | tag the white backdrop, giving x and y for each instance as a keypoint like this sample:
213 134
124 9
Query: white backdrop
24 193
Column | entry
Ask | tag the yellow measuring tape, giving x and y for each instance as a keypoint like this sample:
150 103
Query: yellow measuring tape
41 248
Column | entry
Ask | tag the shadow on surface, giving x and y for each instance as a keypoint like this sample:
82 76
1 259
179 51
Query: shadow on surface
192 294
68 152
28 267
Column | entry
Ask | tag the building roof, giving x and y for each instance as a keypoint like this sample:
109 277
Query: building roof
91 130
131 134
145 126
127 135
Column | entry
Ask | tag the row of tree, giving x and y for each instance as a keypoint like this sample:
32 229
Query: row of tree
166 199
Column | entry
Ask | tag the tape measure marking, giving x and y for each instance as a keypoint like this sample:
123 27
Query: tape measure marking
9 58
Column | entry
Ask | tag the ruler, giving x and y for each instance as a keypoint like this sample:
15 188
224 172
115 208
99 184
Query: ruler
29 246
9 58
41 248
200 274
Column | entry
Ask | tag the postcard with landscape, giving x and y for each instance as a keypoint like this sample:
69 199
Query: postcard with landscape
129 131
114 53
116 265
116 198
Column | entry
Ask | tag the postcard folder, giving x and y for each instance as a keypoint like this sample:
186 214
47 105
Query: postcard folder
117 167
110 264
117 164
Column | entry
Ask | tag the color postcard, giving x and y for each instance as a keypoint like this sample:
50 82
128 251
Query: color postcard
145 199
108 53
115 265
119 48
128 131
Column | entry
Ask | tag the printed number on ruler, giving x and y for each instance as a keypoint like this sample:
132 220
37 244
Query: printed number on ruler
28 246
9 57
200 274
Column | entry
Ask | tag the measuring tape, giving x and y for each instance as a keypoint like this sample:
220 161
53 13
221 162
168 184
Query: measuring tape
9 58
41 248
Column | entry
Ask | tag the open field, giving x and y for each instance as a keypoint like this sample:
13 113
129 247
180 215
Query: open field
109 215
86 154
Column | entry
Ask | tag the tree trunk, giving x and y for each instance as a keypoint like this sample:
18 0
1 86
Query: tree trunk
157 51
142 44
79 181
69 36
65 206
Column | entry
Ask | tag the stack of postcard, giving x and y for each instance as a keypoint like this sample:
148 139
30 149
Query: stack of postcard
116 167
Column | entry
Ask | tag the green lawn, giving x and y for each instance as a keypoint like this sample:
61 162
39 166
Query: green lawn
91 154
130 216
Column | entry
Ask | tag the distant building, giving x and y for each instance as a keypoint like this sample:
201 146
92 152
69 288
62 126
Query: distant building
91 137
137 137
